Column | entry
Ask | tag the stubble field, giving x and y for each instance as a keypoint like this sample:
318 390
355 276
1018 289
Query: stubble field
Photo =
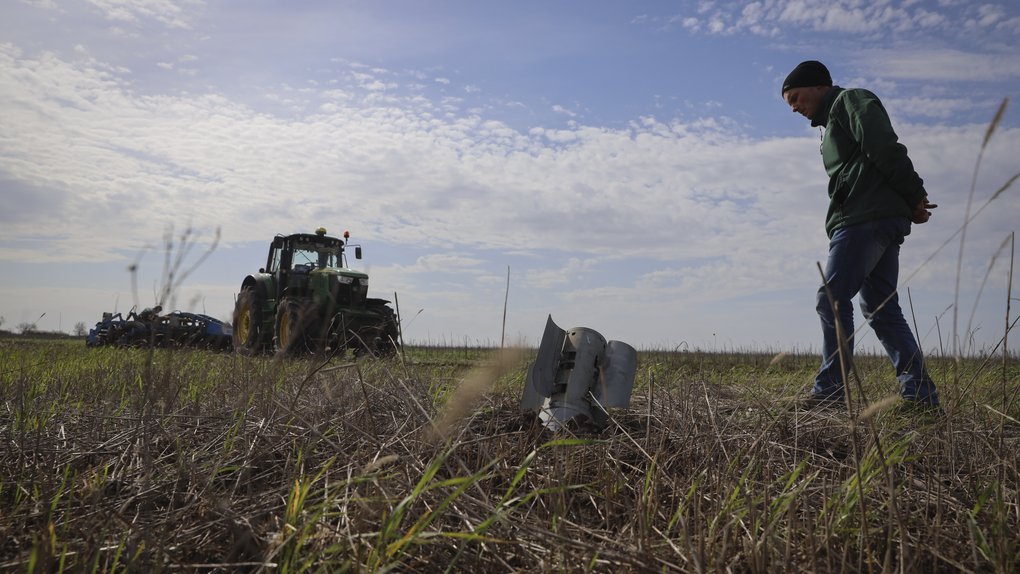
187 460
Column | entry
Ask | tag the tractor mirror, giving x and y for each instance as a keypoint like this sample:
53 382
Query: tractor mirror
357 252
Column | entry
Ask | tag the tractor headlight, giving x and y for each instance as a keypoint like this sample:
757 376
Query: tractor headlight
345 280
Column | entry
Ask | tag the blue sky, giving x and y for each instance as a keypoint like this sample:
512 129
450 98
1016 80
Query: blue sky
632 163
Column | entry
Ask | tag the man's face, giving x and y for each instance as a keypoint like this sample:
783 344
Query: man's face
805 101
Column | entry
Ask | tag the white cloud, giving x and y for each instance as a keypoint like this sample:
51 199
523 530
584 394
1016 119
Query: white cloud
562 110
1011 25
940 108
851 17
751 14
940 64
47 4
988 15
172 13
445 262
926 19
560 274
207 160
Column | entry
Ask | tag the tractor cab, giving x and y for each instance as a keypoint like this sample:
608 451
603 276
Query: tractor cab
304 252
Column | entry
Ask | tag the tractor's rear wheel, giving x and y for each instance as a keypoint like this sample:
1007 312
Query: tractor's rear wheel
247 326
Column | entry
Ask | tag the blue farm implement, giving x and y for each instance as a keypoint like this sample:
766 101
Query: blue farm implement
175 329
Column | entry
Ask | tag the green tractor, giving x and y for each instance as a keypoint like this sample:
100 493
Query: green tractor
306 300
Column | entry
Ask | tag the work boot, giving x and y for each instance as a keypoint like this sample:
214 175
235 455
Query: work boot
819 403
920 408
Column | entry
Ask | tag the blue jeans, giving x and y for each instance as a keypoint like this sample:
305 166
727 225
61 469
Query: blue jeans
864 259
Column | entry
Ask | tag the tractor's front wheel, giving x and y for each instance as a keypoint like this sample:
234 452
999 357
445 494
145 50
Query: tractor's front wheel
294 329
385 338
247 323
389 341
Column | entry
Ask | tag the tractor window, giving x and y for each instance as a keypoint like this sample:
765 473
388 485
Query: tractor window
274 260
303 260
308 257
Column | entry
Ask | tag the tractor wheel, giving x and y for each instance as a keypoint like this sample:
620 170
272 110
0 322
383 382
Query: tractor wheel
247 325
294 328
386 340
389 341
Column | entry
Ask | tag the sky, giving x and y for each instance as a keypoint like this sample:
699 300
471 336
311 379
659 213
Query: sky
628 167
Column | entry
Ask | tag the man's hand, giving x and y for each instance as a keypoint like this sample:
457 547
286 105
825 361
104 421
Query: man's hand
921 213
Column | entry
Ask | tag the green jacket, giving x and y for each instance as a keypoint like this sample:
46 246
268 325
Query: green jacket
870 175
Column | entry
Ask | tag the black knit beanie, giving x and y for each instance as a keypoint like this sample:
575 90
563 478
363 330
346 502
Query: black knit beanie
807 74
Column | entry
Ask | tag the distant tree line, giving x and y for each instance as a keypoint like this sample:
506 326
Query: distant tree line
32 330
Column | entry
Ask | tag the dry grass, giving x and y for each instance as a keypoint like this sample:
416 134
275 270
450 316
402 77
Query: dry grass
192 461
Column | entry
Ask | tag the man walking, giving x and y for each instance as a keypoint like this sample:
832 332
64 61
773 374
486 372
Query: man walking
874 195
